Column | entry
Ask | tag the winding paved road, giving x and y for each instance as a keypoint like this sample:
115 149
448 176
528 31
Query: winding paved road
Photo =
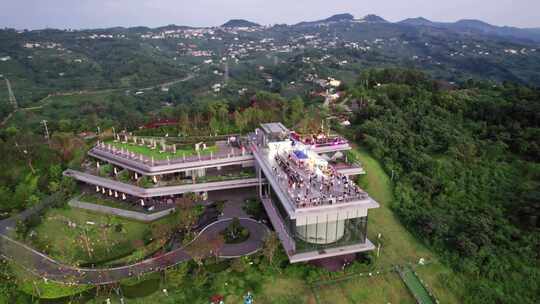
50 269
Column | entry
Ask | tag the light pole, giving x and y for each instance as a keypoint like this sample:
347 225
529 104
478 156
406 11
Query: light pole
44 122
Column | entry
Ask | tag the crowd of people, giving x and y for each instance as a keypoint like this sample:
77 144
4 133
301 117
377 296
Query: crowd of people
310 188
319 140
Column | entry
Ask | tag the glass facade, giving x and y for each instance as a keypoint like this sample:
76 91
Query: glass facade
322 234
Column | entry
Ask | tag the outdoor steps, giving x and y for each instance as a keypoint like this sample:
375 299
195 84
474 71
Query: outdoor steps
284 236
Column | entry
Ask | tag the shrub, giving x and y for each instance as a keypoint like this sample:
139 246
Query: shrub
235 233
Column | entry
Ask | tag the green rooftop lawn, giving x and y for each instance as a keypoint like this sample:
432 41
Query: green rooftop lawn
148 152
109 238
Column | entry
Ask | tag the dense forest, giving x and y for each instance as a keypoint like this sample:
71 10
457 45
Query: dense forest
466 169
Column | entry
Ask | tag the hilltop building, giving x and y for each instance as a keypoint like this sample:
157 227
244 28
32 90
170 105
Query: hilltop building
302 181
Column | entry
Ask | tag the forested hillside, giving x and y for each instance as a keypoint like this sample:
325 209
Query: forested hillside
465 163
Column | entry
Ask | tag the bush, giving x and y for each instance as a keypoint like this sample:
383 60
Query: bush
235 233
145 182
254 208
105 170
124 176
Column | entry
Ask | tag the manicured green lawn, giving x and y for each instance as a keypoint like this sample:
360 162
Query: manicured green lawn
283 290
95 238
385 288
37 287
416 287
148 152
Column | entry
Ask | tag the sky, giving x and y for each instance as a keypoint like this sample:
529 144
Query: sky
80 14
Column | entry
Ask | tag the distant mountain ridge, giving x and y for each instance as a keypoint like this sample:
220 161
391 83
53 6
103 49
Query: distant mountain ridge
342 18
240 23
464 26
373 18
477 26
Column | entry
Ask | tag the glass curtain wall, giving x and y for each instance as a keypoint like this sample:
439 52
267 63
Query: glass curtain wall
323 234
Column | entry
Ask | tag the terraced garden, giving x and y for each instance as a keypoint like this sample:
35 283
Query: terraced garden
149 152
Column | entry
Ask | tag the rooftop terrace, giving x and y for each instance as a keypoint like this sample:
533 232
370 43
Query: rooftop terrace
305 181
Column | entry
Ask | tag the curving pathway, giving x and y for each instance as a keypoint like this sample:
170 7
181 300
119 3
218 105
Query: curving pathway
202 246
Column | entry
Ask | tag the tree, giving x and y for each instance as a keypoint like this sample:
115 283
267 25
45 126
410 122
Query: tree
26 192
184 123
240 121
296 110
176 276
271 245
65 144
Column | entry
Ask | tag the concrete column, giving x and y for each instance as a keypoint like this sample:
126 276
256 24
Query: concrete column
259 175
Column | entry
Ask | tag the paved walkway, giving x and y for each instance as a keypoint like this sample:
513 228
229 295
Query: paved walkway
50 269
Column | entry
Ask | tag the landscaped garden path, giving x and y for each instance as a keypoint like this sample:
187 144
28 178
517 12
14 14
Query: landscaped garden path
205 244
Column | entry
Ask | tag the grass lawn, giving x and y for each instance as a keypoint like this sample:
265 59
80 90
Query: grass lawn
416 286
146 151
37 287
276 290
283 290
108 238
385 288
438 279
